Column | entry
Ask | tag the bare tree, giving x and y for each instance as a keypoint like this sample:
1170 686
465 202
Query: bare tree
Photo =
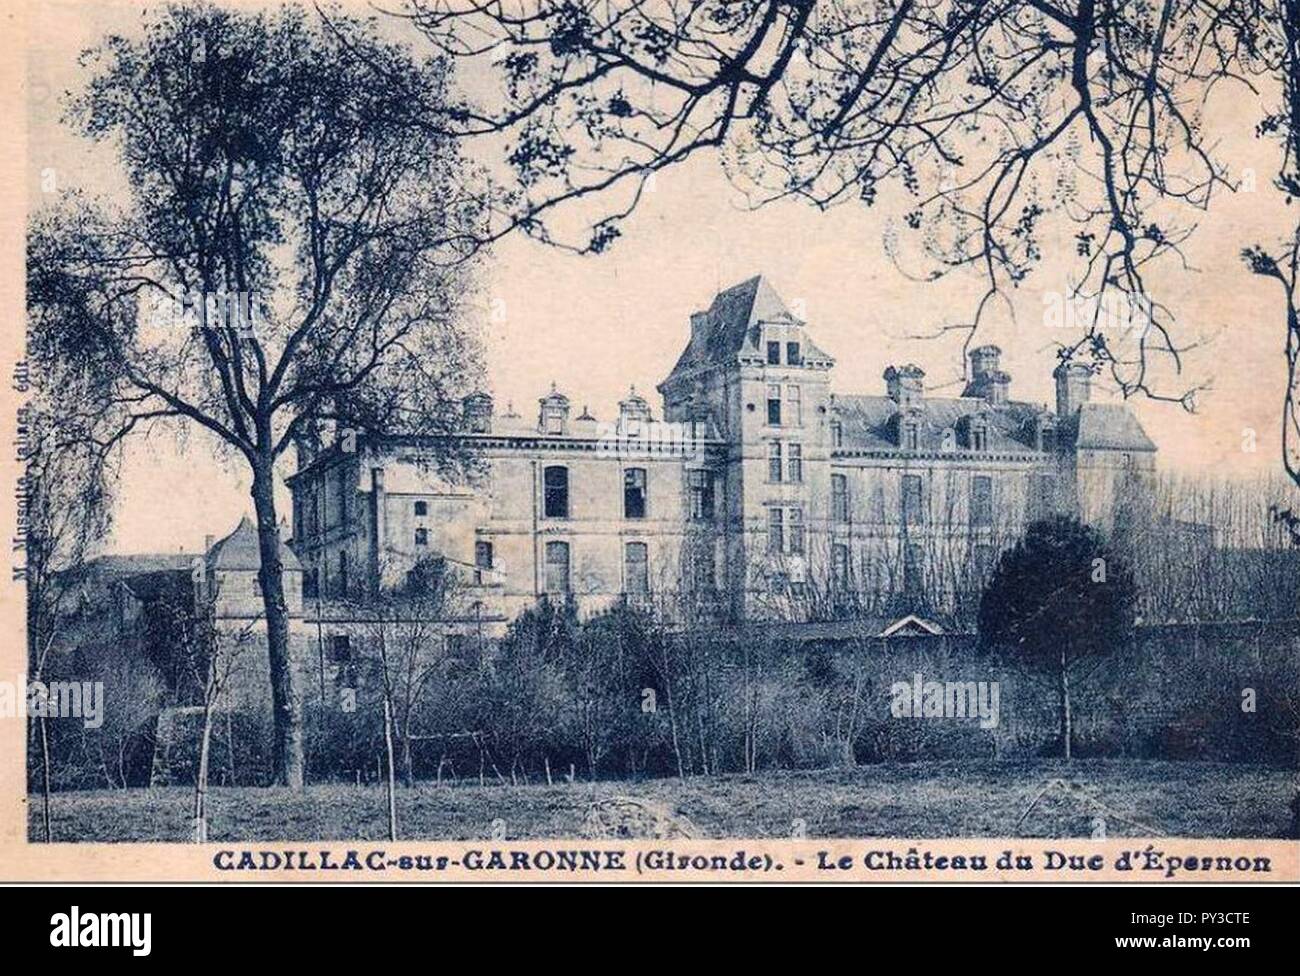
311 234
1001 125
216 659
64 510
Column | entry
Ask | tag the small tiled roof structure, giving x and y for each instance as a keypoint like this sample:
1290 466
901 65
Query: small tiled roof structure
107 569
159 584
1108 426
729 331
239 551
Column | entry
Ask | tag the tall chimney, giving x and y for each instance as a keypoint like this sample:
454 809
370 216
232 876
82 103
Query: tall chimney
478 413
987 380
1073 388
905 384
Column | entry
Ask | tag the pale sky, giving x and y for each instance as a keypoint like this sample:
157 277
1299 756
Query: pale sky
596 324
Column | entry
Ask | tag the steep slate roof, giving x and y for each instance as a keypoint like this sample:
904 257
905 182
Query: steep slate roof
729 330
1109 426
866 422
239 550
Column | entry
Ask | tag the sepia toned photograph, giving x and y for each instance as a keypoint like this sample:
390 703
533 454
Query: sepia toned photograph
680 440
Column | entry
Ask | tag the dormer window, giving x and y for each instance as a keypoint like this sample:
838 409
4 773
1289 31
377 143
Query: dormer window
909 435
1046 431
774 354
553 413
976 432
633 412
949 442
837 434
793 355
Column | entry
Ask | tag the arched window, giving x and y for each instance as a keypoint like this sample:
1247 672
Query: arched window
556 491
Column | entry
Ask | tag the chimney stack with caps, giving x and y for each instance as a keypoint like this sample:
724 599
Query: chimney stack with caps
987 380
905 384
1073 387
478 413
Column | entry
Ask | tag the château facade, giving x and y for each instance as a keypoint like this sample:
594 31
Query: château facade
755 485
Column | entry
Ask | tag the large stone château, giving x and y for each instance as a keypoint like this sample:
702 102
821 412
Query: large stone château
754 482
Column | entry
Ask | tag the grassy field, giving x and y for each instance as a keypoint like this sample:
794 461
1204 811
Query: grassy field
937 799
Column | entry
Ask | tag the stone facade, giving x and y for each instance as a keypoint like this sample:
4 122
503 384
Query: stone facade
758 480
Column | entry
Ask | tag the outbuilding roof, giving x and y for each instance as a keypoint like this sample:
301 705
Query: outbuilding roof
240 551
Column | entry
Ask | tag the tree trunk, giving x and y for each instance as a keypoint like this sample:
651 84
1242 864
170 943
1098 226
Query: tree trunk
1065 705
45 778
201 780
287 748
390 783
408 764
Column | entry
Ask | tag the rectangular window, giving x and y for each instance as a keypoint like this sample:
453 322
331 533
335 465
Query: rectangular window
983 560
636 568
981 501
1040 497
703 574
775 531
340 649
345 490
979 439
794 405
701 489
774 354
909 438
482 559
774 461
912 499
634 493
912 571
837 434
839 498
421 508
795 456
840 565
774 405
796 531
793 356
421 537
557 568
556 492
